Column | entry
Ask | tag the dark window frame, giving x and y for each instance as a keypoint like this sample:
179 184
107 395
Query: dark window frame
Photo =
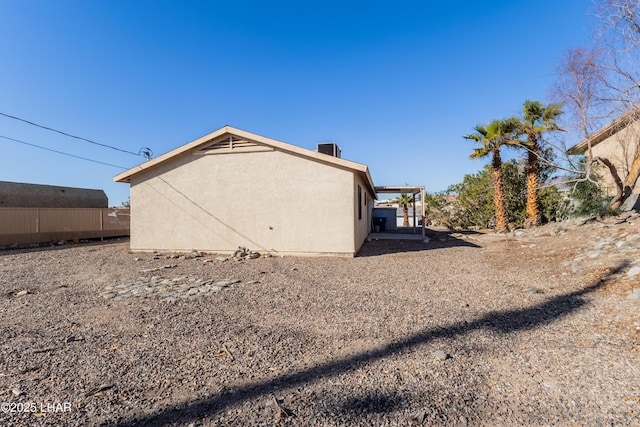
359 202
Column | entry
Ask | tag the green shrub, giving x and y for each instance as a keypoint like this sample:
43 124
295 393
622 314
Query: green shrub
473 204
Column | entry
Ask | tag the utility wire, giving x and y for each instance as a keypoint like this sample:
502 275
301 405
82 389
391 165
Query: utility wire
60 152
144 151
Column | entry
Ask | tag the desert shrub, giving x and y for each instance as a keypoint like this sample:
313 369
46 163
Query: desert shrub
469 204
588 199
554 205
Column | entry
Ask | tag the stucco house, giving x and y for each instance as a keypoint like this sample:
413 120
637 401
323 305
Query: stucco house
618 142
233 188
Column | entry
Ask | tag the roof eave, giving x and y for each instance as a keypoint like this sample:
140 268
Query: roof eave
607 131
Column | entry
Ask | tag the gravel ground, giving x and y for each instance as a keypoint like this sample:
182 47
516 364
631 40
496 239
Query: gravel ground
539 327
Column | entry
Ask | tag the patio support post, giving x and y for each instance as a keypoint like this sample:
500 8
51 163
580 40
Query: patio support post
414 213
423 212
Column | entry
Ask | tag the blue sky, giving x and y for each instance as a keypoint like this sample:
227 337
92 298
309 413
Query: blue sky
395 84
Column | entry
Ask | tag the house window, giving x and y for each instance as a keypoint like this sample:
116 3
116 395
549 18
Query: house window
359 202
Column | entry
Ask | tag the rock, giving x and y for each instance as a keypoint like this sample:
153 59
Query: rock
632 203
635 294
254 255
417 417
631 238
193 254
533 291
267 255
240 253
225 283
73 338
17 392
222 258
633 271
22 293
441 355
560 230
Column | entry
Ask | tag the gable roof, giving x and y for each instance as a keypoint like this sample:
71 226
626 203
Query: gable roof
249 140
607 131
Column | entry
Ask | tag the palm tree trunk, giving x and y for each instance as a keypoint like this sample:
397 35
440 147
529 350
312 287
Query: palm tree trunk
498 193
405 210
533 171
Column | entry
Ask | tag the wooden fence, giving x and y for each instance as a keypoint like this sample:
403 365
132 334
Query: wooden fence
38 225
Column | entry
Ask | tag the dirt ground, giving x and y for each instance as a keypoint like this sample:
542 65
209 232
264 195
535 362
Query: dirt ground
539 327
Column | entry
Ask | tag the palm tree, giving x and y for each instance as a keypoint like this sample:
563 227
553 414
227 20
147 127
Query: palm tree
537 118
492 137
404 201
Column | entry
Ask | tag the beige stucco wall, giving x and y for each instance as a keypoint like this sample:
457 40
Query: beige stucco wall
620 149
362 226
267 201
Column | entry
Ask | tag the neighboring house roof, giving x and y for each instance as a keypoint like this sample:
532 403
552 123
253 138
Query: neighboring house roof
24 195
608 130
261 140
561 183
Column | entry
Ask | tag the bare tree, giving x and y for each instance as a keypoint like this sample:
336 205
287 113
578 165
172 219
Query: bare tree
579 86
598 84
619 32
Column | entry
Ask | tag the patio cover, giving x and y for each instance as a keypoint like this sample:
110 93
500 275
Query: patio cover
407 189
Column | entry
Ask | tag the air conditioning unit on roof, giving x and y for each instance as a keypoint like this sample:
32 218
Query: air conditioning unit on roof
330 148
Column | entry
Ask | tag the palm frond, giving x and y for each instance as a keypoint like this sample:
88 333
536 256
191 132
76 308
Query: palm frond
479 153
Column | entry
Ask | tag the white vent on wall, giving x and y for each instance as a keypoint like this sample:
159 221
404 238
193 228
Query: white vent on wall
232 144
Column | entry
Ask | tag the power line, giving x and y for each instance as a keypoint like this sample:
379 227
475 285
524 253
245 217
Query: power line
60 152
144 151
